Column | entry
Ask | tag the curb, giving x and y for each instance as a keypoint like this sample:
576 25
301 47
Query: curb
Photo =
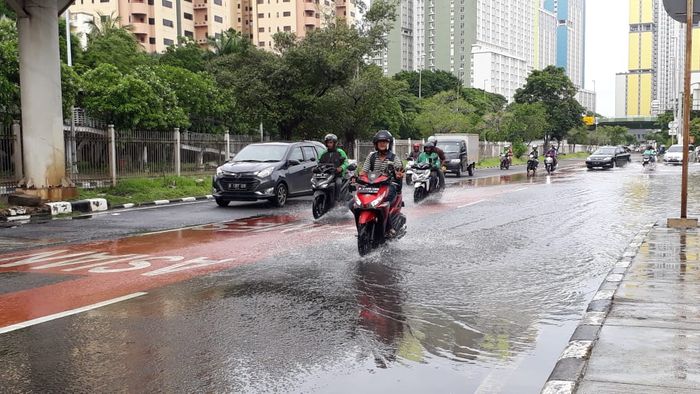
572 363
88 206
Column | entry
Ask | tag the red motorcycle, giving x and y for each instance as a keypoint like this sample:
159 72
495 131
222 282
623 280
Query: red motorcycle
376 218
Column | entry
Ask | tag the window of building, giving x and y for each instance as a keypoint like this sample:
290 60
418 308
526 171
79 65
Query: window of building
168 41
287 28
167 4
152 40
218 19
151 2
189 34
167 22
261 16
151 21
188 16
104 1
261 30
261 43
286 13
218 2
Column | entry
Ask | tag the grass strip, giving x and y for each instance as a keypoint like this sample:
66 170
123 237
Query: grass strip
140 190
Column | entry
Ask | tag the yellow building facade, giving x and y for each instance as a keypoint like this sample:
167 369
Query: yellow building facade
641 69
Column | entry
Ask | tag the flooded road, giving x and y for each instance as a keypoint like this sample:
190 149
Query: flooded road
482 295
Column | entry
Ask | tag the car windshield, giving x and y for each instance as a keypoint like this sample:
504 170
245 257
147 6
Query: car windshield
449 147
261 153
605 151
675 148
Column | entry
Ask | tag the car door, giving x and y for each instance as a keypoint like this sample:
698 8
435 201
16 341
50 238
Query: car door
295 170
310 161
463 155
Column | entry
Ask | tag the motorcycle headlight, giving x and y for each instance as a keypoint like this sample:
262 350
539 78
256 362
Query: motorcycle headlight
264 173
378 200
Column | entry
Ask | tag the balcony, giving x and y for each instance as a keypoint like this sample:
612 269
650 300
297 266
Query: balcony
201 24
310 6
140 28
139 8
202 40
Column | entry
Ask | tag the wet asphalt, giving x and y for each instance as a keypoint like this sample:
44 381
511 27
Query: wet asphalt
480 296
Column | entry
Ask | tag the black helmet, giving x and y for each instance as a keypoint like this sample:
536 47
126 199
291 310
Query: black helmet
428 145
330 137
649 147
383 135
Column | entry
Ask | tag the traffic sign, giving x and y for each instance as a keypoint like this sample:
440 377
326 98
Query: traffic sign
673 131
673 124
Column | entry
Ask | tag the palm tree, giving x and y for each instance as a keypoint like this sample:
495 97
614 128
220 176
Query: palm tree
107 24
229 42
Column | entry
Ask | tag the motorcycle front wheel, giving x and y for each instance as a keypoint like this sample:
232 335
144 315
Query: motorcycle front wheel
418 194
319 206
364 238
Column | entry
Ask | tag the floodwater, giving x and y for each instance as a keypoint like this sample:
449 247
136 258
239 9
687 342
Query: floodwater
482 295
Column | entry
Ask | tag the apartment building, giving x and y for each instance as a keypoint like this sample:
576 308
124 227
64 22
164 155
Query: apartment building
158 23
295 16
651 83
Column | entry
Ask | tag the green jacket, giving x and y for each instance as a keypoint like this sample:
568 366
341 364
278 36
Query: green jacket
427 158
338 160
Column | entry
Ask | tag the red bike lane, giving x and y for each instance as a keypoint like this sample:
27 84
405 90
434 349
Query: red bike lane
100 271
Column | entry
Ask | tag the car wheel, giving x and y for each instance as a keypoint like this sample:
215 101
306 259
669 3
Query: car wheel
281 194
458 173
470 170
589 167
221 203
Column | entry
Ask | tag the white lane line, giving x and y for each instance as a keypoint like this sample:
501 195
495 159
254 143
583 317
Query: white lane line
471 203
59 315
521 189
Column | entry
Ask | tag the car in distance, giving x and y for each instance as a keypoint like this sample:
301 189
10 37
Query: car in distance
456 157
608 157
273 171
674 155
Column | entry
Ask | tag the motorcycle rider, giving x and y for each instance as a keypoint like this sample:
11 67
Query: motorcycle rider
552 152
415 153
441 155
534 152
431 157
651 153
508 152
381 158
338 158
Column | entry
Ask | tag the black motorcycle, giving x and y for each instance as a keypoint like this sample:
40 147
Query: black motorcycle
532 164
324 187
505 162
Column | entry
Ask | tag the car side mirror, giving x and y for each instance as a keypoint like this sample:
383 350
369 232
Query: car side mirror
293 162
352 167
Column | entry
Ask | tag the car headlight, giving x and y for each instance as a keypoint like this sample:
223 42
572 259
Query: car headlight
264 173
608 158
219 171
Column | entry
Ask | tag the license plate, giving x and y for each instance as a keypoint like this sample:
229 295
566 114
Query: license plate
236 186
367 190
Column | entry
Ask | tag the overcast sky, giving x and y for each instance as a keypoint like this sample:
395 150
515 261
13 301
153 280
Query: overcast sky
606 49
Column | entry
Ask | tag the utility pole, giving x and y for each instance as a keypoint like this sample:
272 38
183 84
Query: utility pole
684 13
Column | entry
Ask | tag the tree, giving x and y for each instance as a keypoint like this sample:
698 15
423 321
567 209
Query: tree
229 42
556 92
113 46
131 101
495 126
578 136
484 101
107 24
6 11
446 112
70 85
197 95
432 82
664 119
527 122
186 54
9 71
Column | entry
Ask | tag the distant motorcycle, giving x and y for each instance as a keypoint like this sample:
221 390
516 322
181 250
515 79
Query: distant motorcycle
532 164
549 164
425 181
649 162
505 162
324 187
409 171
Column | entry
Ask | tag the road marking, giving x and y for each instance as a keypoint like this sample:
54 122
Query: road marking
75 311
521 189
471 203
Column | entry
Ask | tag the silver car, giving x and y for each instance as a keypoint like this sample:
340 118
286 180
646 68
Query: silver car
674 155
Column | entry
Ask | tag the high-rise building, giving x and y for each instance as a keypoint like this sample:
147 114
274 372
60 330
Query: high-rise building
295 16
650 84
545 53
158 23
570 37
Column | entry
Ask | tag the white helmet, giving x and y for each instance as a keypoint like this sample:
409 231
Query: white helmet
534 145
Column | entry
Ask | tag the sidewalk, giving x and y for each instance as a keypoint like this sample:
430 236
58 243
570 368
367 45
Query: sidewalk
650 340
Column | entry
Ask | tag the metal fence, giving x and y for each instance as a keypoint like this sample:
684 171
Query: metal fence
10 155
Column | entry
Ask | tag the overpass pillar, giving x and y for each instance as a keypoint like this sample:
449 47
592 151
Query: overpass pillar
40 83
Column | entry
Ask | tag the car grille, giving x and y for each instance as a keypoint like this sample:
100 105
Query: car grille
239 184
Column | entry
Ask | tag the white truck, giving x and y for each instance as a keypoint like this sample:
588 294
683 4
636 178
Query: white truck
461 152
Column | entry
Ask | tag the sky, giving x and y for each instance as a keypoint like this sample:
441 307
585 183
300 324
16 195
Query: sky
606 49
